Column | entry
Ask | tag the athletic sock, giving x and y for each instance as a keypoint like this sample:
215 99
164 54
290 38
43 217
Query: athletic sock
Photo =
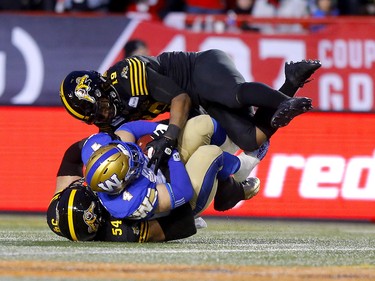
288 89
248 163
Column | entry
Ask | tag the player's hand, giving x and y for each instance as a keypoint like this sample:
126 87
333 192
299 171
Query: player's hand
159 151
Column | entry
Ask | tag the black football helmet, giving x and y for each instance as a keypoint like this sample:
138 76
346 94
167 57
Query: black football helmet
53 214
88 96
75 213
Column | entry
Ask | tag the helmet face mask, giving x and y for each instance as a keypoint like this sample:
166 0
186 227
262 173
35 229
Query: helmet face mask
75 213
113 167
87 96
106 111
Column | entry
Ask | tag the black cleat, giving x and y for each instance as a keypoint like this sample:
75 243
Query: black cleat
298 73
289 109
230 192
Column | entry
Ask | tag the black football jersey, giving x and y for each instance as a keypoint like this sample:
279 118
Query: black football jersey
140 97
120 230
147 85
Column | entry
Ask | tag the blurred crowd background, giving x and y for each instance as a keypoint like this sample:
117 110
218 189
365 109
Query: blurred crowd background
159 9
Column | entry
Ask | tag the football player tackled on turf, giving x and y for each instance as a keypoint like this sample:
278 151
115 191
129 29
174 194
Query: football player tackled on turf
205 164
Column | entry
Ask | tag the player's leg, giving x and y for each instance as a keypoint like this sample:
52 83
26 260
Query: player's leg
202 168
244 133
198 131
297 74
241 130
203 130
230 192
216 79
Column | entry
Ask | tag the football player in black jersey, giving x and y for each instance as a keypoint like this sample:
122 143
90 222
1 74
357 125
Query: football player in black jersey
77 214
184 84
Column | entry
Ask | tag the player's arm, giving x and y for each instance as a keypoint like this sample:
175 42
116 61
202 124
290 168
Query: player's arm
178 224
178 190
63 181
70 167
132 131
164 89
179 112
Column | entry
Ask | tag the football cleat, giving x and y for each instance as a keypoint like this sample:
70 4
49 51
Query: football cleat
298 73
230 192
289 109
200 223
250 187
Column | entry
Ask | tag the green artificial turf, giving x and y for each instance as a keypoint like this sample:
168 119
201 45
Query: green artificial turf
225 241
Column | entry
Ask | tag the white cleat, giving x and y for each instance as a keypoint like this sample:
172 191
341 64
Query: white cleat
200 223
251 187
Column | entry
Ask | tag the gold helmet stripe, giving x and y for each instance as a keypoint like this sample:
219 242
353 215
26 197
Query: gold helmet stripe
137 77
70 215
56 196
67 105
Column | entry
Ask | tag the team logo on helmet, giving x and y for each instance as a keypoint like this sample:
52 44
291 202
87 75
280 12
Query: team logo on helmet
112 184
90 218
135 230
83 88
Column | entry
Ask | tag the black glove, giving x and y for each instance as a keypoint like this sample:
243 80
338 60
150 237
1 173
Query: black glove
162 151
163 145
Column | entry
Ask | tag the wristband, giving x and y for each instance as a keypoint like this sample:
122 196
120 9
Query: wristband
172 132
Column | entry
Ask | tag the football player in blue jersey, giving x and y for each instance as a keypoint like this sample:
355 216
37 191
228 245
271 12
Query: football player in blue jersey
112 168
179 223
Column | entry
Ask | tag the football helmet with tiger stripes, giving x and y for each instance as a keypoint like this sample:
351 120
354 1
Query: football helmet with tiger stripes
75 212
87 96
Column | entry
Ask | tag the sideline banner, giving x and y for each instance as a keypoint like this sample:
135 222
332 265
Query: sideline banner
322 165
32 144
34 58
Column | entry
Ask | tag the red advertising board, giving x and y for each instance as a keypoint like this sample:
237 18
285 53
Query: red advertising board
32 143
320 166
